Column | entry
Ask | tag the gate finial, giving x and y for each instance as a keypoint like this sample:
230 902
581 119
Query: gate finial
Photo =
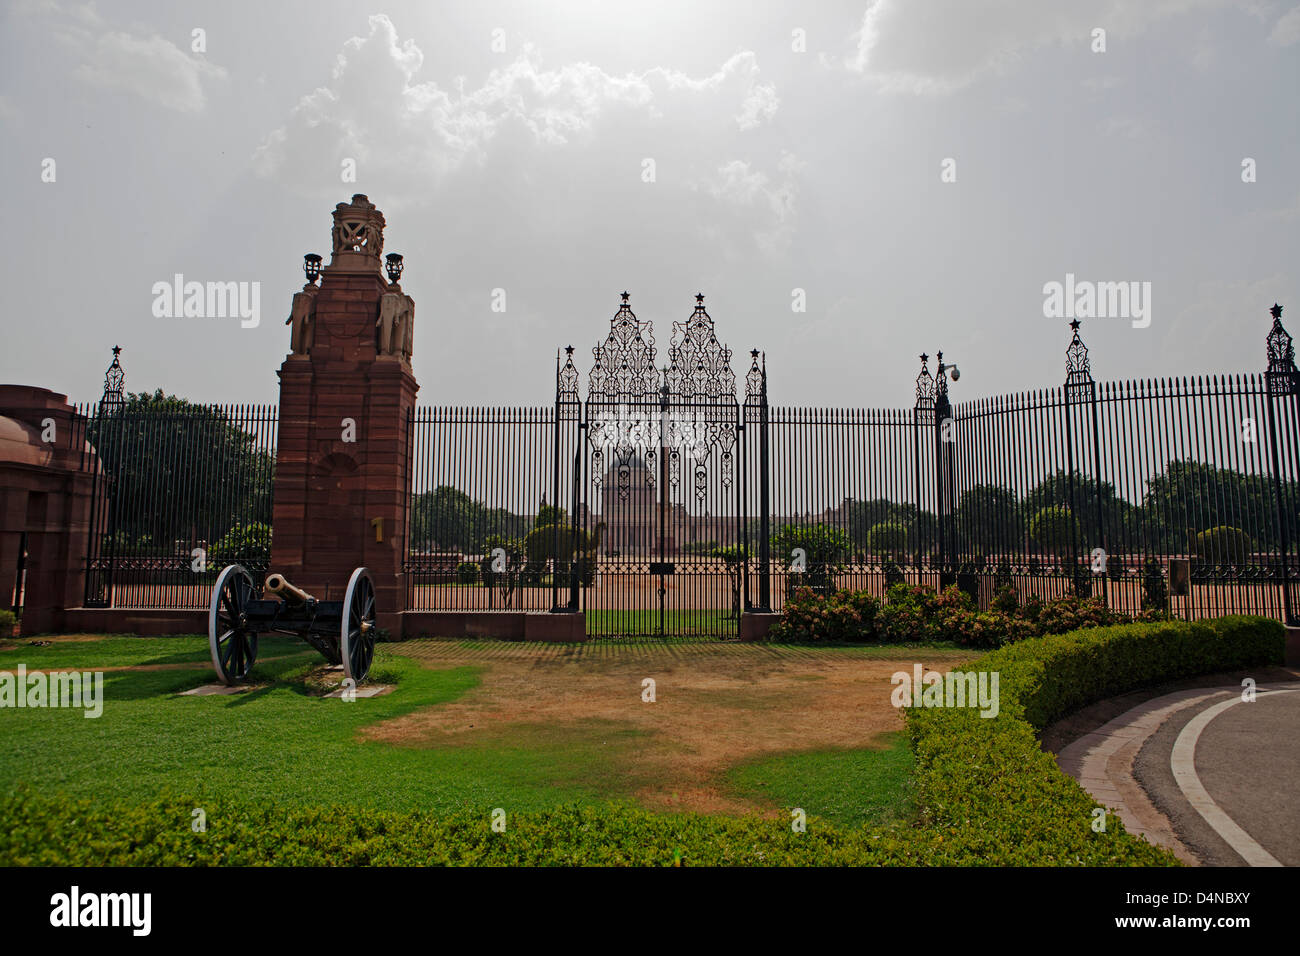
114 379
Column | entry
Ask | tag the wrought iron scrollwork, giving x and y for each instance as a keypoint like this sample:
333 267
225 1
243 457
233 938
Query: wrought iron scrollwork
566 378
689 416
1283 379
925 392
699 368
114 380
1079 385
756 380
624 369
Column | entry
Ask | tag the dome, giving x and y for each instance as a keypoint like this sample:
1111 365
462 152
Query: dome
28 407
21 444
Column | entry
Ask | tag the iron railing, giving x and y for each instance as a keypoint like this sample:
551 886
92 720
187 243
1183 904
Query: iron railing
663 503
180 490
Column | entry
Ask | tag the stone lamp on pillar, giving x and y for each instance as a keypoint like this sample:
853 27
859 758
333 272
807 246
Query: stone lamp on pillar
394 265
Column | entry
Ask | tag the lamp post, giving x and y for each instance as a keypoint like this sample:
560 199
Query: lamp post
945 439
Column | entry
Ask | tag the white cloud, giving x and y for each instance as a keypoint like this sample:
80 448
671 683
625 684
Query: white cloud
939 46
740 185
1123 126
1287 29
759 107
152 68
148 66
374 109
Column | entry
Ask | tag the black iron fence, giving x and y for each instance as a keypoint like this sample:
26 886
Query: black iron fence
480 481
1150 494
180 491
664 504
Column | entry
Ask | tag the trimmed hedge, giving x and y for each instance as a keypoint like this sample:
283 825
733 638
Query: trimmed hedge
987 792
914 614
43 833
986 784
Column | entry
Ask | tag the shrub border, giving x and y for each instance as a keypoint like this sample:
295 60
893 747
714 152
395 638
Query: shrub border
987 785
987 792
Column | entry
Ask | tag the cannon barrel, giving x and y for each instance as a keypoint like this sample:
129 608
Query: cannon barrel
281 588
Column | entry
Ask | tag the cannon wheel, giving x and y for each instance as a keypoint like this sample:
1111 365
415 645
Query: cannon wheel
357 633
233 646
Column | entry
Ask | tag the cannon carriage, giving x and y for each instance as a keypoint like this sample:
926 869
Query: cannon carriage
343 631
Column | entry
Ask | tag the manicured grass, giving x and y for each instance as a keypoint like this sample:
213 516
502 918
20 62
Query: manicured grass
127 651
279 742
849 788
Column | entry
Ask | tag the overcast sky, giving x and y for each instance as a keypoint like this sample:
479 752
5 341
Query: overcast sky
795 146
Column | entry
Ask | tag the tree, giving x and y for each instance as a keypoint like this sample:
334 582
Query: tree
501 564
888 538
246 544
1054 528
824 549
989 521
922 526
179 472
447 518
733 559
549 514
1119 520
1224 545
1191 496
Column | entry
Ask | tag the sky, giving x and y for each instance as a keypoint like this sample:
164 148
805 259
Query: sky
849 184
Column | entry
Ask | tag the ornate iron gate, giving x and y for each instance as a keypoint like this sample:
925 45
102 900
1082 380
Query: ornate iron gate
658 468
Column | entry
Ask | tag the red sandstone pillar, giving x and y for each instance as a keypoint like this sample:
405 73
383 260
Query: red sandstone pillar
342 481
45 492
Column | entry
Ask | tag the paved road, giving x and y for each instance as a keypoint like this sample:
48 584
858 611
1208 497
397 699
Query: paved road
1202 772
1246 758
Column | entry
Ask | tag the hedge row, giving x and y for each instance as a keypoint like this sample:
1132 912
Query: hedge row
915 614
45 833
987 785
987 793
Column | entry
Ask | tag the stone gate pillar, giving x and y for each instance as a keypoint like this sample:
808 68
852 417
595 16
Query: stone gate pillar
47 482
342 482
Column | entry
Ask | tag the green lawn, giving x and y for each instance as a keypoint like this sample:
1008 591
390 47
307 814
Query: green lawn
282 742
846 787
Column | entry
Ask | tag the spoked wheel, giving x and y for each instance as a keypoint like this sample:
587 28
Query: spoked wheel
233 645
357 637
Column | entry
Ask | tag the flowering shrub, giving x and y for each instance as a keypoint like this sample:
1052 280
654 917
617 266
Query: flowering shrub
914 614
840 617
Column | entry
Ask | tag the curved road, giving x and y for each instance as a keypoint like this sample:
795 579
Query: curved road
1201 771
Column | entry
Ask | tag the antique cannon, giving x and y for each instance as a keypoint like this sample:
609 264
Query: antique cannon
343 631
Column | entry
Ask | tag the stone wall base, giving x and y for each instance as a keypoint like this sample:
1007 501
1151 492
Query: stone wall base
507 625
151 623
754 625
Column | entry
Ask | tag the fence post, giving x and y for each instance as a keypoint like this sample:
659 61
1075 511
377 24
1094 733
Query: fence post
568 404
922 414
1079 388
756 398
943 467
1282 381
